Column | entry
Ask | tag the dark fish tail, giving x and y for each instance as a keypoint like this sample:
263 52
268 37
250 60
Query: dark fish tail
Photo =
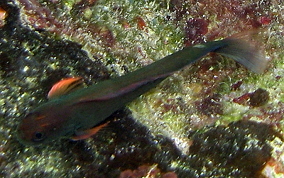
244 52
239 48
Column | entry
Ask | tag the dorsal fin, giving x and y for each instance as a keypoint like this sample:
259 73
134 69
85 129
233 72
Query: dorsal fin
65 86
110 93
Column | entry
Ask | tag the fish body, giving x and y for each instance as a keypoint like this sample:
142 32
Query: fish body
72 114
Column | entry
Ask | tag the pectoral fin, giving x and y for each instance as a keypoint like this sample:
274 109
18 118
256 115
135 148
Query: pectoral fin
88 133
65 86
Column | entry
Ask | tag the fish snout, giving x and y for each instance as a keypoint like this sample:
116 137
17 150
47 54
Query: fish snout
28 131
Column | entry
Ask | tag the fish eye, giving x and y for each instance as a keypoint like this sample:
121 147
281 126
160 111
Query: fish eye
38 136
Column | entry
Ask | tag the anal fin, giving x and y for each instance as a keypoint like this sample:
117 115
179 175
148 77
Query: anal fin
81 135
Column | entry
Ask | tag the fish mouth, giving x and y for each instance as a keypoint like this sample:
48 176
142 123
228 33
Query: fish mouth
22 137
27 142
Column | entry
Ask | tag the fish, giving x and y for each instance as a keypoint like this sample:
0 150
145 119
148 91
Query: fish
78 112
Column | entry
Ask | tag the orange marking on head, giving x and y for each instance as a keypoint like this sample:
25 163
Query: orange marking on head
40 117
44 125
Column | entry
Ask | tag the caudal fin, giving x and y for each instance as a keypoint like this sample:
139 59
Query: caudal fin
243 49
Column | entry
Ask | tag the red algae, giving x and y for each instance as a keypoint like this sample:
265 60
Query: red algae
236 85
40 16
210 106
141 24
194 31
238 15
242 100
255 99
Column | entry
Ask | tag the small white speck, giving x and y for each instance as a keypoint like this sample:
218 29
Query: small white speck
199 46
112 157
25 69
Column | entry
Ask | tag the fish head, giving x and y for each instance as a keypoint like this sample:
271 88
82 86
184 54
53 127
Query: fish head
45 123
